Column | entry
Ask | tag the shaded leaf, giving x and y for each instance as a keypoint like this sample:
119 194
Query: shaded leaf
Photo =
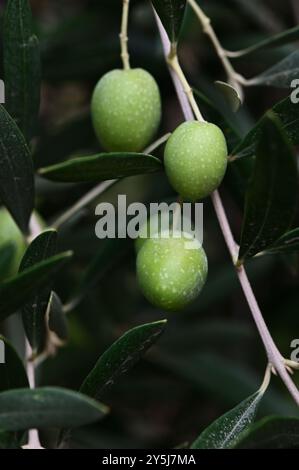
17 291
171 13
21 66
12 372
122 355
280 39
16 175
225 431
288 114
272 194
272 432
230 94
104 166
8 441
47 407
7 252
57 319
33 313
288 243
281 74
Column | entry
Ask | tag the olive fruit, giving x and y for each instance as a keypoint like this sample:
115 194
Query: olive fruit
170 273
11 236
153 226
126 110
196 159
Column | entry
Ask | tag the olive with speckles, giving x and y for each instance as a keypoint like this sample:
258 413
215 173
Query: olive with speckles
196 159
171 271
126 110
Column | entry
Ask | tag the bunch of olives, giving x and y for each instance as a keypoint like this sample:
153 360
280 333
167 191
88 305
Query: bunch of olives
126 112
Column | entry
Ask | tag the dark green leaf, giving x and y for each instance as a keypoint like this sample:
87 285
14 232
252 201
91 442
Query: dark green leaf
47 407
8 441
280 39
122 355
12 372
288 114
171 13
57 318
280 75
273 432
17 291
16 175
104 166
272 194
33 313
288 243
21 66
225 431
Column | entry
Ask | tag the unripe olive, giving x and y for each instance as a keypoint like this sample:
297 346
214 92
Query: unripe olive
153 227
10 235
196 159
126 110
170 273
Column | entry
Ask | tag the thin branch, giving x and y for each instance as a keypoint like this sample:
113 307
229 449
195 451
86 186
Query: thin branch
84 201
157 143
274 357
124 35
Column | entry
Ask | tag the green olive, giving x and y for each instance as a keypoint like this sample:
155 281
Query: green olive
196 159
171 273
126 110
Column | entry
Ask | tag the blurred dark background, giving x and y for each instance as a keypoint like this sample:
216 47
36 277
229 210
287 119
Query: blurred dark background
210 356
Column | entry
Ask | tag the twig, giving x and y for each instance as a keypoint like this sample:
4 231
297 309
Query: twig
234 78
84 201
157 143
275 359
124 35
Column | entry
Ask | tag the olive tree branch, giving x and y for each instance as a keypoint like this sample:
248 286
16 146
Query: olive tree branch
276 362
124 35
234 78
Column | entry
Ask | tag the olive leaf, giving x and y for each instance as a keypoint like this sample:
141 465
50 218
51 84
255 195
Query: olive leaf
40 408
21 66
225 431
19 290
231 94
271 197
271 432
16 175
122 355
288 243
281 74
101 167
287 112
171 13
33 313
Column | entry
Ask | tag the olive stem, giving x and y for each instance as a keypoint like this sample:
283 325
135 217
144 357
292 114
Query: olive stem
275 360
124 35
235 79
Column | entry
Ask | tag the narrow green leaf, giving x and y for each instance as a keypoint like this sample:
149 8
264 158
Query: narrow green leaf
281 74
12 372
33 313
287 112
17 175
122 355
57 318
17 291
272 432
271 198
104 166
47 407
171 13
288 243
21 66
280 39
225 431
